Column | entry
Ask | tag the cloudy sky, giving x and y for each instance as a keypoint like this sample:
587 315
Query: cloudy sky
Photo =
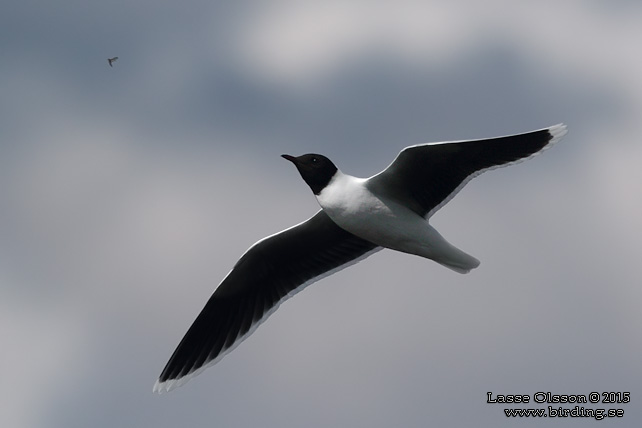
128 192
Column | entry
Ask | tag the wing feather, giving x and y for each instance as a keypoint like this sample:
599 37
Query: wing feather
427 176
259 282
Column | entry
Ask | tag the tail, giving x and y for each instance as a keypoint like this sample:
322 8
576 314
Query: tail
446 254
457 260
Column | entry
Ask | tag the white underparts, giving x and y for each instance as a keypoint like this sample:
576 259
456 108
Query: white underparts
388 224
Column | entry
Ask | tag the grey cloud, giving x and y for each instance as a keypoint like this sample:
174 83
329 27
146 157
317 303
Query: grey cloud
116 228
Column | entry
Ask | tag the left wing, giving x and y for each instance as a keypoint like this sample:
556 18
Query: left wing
426 176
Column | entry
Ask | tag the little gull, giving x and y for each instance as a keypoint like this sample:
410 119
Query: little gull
111 61
357 218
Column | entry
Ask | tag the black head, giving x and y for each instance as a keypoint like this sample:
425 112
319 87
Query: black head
316 170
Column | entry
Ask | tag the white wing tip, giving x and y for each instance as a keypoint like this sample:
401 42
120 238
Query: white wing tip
159 387
162 387
557 132
168 385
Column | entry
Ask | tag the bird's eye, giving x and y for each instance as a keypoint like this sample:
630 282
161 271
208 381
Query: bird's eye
314 160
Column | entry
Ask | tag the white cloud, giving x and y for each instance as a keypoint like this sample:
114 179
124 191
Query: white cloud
300 43
306 41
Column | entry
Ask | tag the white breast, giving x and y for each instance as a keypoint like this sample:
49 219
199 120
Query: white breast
354 208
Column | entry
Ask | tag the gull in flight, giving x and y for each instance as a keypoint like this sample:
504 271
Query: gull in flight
358 217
